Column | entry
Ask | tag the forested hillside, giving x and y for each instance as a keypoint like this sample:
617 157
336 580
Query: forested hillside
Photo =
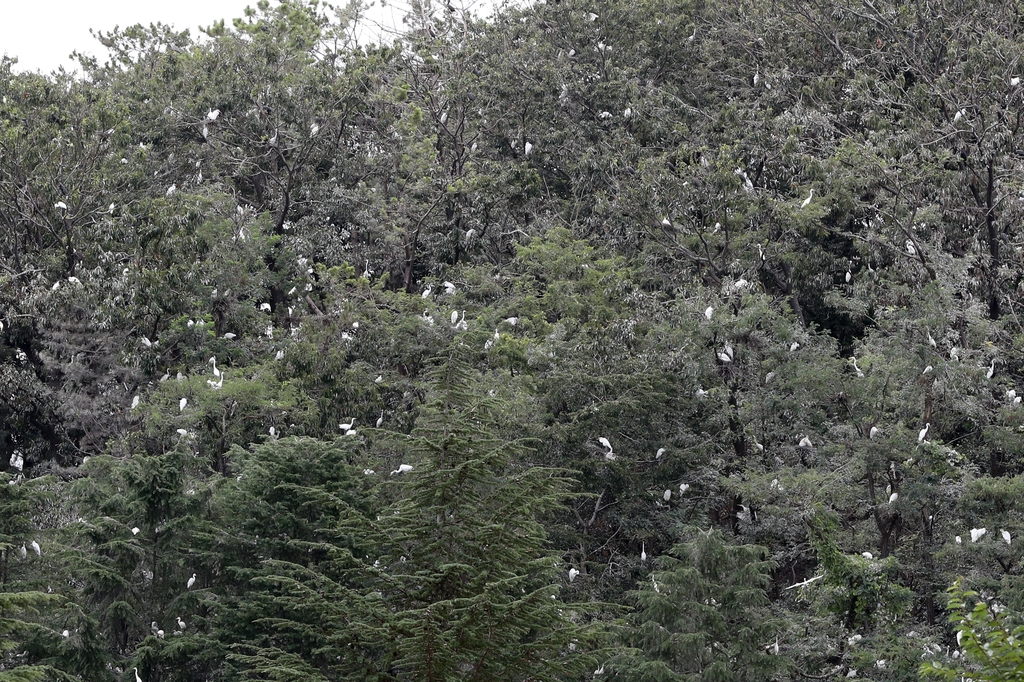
635 340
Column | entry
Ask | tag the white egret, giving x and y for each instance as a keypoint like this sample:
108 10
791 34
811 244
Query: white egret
146 342
708 312
667 495
402 469
528 148
991 369
1015 81
23 552
666 222
17 461
867 555
513 321
230 335
273 432
610 455
213 361
66 634
683 487
379 379
700 393
449 288
380 419
860 374
347 427
135 530
36 548
808 199
182 432
265 307
927 369
977 534
212 116
182 403
181 623
931 340
805 582
160 634
958 115
61 205
137 678
873 432
368 472
314 129
191 582
893 498
794 346
911 249
1011 394
279 355
659 453
1006 535
805 442
171 190
727 353
958 540
573 573
768 377
849 276
351 432
923 432
643 552
426 293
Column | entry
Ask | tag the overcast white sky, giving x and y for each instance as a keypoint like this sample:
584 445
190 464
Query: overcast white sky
42 33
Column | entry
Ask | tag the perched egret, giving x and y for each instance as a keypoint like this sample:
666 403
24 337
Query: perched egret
893 498
213 361
659 453
426 293
379 379
171 190
279 355
182 403
1006 535
182 432
958 540
265 307
849 276
449 288
230 335
573 573
923 432
135 530
513 321
61 205
643 552
610 455
528 148
794 346
191 582
805 442
23 552
931 340
977 533
347 427
860 374
160 634
181 623
137 678
273 432
17 461
1015 81
683 487
808 199
667 495
666 222
911 249
708 312
867 555
927 369
212 116
402 469
727 353
36 548
66 634
991 369
873 432
380 419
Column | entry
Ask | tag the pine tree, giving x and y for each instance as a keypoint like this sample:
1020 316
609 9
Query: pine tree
466 569
703 616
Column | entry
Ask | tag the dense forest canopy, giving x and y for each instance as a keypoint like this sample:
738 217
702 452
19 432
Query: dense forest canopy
650 340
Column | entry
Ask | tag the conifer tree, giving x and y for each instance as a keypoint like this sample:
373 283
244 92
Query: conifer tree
703 616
